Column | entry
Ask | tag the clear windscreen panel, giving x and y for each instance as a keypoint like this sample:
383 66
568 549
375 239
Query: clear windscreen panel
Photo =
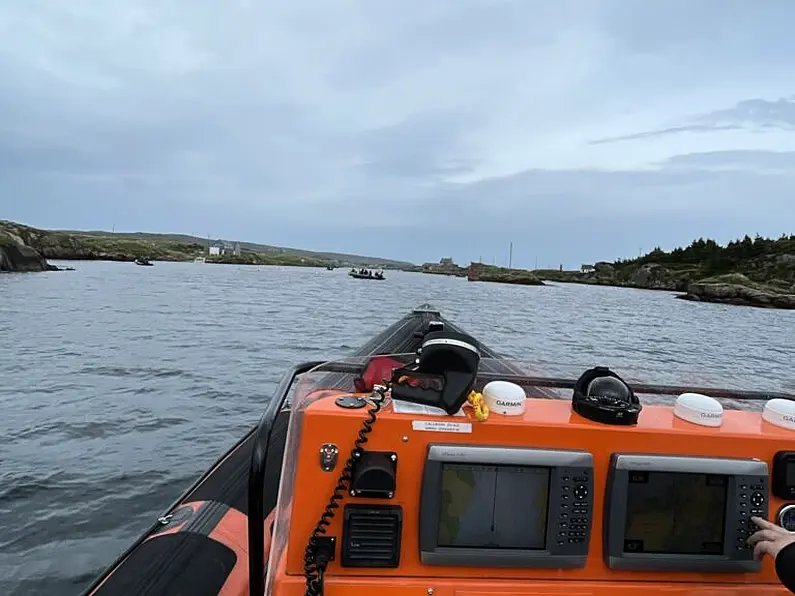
554 380
654 386
332 376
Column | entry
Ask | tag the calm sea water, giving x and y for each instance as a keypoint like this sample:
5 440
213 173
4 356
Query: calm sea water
120 384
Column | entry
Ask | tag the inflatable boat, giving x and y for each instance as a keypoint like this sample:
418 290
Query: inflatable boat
426 464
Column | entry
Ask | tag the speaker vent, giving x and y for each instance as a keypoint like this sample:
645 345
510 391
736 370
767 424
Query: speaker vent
371 536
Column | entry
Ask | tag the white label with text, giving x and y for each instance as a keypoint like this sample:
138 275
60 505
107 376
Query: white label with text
441 426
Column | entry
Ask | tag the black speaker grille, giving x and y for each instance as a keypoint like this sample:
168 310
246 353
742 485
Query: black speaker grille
371 536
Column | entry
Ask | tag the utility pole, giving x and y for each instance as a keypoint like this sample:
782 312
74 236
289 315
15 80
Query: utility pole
510 255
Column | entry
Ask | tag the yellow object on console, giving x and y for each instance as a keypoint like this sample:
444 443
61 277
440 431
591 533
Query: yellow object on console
479 407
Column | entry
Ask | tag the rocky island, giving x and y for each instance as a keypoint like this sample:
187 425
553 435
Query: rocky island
445 266
750 272
505 275
736 288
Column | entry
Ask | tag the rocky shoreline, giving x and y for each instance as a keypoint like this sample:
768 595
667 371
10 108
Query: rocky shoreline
738 290
765 279
734 288
490 273
101 246
689 283
18 257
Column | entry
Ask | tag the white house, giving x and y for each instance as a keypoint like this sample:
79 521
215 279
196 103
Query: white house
225 248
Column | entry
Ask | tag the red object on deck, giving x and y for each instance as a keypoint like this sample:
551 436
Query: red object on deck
377 371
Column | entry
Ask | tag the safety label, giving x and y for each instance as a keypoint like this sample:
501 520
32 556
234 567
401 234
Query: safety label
442 426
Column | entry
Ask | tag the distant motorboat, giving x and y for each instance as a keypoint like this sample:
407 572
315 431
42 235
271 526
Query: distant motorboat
366 274
143 262
199 260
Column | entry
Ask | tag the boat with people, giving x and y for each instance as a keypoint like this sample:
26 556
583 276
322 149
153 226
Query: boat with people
426 463
144 262
364 273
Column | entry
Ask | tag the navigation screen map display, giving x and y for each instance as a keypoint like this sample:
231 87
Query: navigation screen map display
675 513
493 506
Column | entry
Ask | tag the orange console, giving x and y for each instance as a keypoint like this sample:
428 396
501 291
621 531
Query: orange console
542 503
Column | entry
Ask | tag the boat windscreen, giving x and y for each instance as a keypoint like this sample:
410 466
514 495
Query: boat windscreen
555 380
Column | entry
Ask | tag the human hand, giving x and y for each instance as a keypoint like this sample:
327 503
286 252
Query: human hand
770 538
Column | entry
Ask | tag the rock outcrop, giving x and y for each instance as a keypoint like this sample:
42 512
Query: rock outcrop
445 266
481 272
737 289
16 256
649 276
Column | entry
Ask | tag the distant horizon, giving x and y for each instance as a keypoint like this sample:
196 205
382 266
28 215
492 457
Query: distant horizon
492 260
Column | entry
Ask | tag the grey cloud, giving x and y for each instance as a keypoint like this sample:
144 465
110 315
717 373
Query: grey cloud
425 146
691 30
752 115
674 130
294 123
736 159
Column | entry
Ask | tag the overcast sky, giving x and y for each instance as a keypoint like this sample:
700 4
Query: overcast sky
415 129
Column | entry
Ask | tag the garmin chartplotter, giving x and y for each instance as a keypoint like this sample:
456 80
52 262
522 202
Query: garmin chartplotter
670 513
505 507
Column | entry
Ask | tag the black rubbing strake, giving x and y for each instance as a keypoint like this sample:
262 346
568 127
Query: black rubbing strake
182 564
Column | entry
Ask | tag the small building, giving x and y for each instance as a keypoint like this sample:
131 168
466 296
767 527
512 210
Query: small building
224 248
445 266
587 269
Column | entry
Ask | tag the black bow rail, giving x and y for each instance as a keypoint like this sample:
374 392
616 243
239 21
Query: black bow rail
638 388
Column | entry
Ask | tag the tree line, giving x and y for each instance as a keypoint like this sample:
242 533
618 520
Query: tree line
709 255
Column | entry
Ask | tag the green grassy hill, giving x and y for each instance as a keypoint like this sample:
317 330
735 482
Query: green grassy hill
99 245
